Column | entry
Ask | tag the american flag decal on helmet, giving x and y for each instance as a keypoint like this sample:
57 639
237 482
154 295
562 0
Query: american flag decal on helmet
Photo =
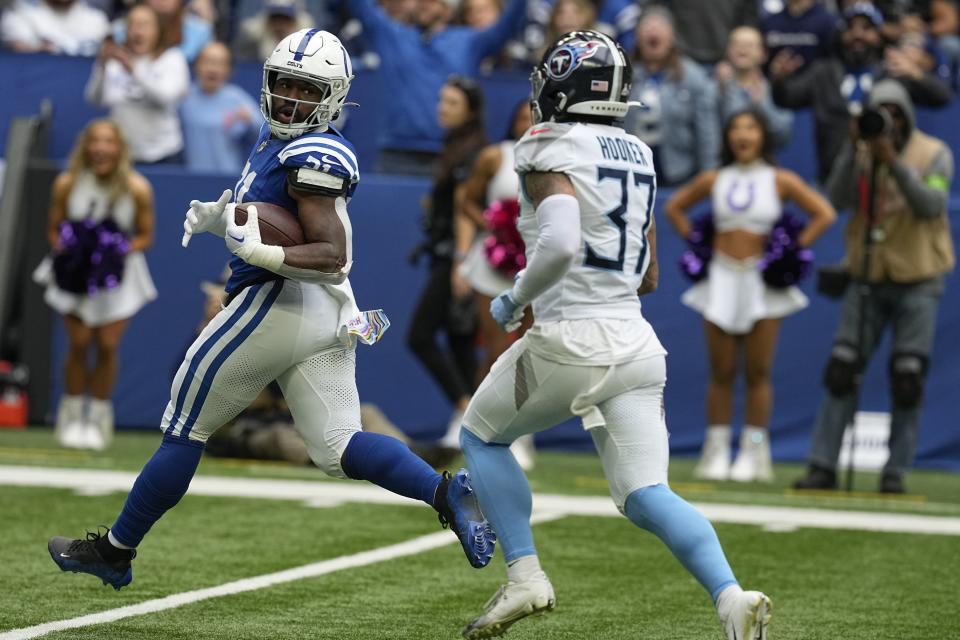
600 86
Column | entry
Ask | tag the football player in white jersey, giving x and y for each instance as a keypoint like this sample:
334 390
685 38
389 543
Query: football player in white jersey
588 189
290 316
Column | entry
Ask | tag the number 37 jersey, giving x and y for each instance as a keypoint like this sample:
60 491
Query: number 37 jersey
612 173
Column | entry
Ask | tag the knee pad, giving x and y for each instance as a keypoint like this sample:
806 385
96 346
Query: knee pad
840 375
907 374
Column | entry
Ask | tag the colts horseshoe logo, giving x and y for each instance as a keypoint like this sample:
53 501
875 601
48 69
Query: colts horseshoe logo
564 60
740 203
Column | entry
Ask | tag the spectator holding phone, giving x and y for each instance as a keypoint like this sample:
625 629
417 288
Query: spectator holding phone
836 88
142 83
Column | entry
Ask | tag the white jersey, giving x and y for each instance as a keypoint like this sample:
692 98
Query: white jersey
615 183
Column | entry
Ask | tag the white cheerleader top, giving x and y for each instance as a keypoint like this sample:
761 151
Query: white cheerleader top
504 184
89 199
745 197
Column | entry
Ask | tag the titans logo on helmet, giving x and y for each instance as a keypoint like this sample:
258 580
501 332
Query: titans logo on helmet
568 57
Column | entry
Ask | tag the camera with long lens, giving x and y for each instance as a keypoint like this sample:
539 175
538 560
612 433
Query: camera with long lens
874 123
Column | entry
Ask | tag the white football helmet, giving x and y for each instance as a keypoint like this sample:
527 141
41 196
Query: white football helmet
316 57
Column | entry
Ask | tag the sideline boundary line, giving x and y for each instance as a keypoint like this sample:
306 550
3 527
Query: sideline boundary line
330 494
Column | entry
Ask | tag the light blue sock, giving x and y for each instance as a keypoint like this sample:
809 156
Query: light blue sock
503 493
685 531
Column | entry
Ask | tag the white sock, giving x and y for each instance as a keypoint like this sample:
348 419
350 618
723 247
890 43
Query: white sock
719 431
100 409
452 437
523 568
115 542
726 599
73 407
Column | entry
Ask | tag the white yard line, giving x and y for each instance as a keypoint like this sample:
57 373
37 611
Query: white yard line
327 494
364 558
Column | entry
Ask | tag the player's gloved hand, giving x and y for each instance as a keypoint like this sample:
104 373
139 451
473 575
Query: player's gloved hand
505 311
205 216
243 240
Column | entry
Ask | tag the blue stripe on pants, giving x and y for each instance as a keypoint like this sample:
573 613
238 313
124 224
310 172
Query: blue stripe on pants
226 353
201 353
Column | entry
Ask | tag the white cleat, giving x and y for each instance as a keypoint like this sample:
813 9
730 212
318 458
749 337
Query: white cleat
514 601
72 435
715 458
748 617
753 463
91 437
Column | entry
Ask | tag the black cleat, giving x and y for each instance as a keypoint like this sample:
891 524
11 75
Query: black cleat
83 556
458 509
817 478
892 483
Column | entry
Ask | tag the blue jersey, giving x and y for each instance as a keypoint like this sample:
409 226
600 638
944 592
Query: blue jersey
264 179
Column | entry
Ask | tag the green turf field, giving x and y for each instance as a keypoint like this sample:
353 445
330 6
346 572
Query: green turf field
612 581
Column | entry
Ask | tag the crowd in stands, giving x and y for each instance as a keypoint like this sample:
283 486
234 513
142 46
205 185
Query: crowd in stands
691 59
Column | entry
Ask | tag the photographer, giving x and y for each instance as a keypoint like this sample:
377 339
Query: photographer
897 254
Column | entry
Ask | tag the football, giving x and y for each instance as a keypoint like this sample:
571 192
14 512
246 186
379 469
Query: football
277 225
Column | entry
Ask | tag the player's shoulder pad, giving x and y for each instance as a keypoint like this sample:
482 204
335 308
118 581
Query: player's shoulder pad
545 147
321 163
327 153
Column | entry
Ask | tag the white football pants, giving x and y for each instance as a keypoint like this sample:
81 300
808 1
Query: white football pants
620 405
282 330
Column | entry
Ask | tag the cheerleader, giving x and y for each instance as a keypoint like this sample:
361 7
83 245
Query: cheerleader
486 261
101 220
741 311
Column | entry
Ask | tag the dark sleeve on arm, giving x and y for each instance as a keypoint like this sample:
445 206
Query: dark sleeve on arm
748 14
928 91
841 186
491 40
927 198
796 91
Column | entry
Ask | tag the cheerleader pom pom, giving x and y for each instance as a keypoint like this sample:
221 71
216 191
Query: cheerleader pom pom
504 246
108 258
695 261
71 264
785 263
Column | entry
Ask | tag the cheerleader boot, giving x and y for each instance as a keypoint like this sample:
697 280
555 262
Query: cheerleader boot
715 457
99 427
753 461
69 429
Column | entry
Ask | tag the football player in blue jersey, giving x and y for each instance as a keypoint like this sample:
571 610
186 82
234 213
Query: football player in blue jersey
290 316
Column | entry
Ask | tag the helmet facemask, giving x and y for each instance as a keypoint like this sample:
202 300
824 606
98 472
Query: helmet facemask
332 93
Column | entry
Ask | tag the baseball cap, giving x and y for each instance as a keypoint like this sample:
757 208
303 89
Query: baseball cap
864 10
286 8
